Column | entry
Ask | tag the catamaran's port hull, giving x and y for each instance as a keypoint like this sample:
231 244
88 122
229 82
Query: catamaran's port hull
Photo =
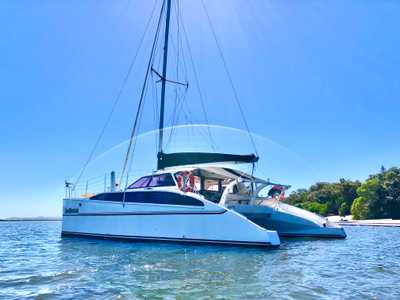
288 225
205 225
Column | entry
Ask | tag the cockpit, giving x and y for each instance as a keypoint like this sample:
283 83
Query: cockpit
220 185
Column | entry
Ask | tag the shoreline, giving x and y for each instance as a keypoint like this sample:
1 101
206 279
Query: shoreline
374 223
30 220
348 221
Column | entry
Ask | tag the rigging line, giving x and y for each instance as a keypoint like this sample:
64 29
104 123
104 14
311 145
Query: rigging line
179 46
119 94
134 143
197 81
133 140
177 40
236 96
176 116
155 109
134 128
173 120
176 88
259 25
176 99
180 21
179 95
178 108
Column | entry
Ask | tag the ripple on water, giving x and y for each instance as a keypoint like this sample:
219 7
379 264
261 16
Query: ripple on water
36 263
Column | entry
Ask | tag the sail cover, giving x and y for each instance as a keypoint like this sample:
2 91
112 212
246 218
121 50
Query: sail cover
166 160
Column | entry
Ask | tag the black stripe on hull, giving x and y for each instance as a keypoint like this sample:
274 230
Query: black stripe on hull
155 213
318 236
166 239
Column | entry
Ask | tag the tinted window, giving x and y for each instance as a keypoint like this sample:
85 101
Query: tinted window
153 181
161 180
140 183
108 196
150 197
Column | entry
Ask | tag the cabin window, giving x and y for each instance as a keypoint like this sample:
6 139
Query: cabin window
161 180
108 197
153 197
140 183
153 181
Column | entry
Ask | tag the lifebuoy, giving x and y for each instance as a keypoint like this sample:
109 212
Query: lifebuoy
179 180
282 195
186 181
192 180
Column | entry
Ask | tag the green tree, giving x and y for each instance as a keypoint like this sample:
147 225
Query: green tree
390 181
297 197
317 208
368 203
377 197
360 209
348 192
344 209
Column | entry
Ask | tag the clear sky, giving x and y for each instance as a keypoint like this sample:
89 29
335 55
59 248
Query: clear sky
320 78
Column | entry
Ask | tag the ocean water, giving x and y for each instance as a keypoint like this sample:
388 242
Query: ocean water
36 263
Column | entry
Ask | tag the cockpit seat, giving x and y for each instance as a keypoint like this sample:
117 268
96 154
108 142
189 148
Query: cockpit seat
232 199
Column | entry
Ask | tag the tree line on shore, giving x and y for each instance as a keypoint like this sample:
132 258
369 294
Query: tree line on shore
377 197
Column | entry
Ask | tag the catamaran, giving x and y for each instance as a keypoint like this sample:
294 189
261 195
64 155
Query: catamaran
192 196
155 207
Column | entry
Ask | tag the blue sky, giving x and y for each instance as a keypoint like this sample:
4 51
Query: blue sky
320 78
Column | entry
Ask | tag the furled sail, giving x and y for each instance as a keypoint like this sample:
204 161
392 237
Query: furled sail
166 160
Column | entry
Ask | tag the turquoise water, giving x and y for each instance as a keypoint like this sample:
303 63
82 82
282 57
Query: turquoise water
36 263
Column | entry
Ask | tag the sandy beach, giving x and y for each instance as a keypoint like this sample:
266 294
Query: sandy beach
348 221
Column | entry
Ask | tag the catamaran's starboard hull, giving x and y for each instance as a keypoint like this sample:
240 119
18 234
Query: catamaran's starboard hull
288 224
207 225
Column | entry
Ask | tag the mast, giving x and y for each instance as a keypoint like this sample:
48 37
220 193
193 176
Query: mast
163 82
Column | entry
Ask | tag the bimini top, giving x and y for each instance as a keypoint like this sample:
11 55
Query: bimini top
166 160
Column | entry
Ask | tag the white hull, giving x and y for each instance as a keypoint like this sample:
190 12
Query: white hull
290 221
207 224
